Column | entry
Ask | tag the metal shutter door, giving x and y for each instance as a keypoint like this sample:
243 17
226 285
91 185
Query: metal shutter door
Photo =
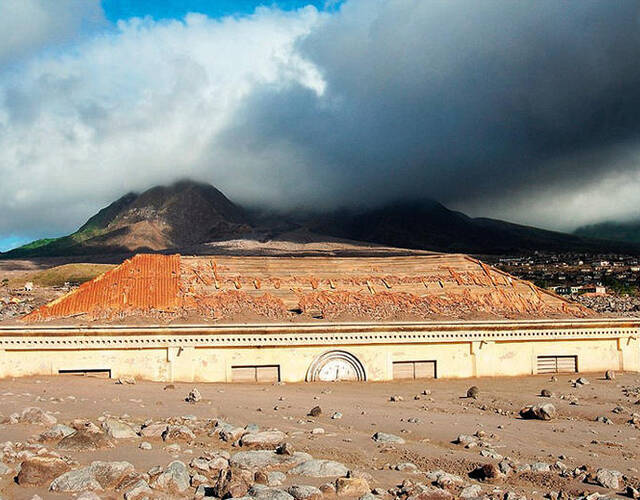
425 369
403 370
567 364
243 373
547 364
268 374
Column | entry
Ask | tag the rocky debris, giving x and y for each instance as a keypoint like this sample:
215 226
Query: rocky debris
352 486
232 434
466 440
40 471
266 460
301 492
145 445
178 433
541 412
174 478
232 483
546 393
540 467
383 437
153 430
581 381
118 429
316 411
31 415
265 440
611 479
443 479
317 467
336 415
395 398
87 439
473 392
604 419
194 396
56 432
97 476
632 492
609 375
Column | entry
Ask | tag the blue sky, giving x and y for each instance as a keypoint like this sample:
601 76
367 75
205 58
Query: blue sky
166 9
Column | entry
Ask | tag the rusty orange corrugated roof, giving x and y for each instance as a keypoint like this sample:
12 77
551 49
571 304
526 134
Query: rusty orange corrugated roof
144 282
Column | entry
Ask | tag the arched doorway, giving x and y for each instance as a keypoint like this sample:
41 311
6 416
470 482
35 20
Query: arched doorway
333 366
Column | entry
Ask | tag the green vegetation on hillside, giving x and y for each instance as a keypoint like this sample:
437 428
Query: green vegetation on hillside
58 276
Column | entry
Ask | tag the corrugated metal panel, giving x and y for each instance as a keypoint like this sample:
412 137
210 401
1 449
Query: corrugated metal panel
144 282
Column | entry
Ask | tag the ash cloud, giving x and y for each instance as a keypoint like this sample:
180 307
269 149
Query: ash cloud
527 111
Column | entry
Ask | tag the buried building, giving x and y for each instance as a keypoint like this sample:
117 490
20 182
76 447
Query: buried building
268 319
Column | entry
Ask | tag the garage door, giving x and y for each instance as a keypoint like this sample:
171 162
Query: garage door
557 364
403 370
258 373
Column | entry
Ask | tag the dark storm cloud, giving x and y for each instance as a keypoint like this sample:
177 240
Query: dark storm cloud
458 100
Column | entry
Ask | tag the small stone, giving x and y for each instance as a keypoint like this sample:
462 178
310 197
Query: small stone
382 437
317 431
352 486
126 380
118 429
145 445
194 396
316 411
336 416
473 392
610 375
546 393
609 478
541 412
285 449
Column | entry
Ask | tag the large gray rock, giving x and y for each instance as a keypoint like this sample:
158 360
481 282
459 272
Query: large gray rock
383 437
97 476
265 440
138 491
118 429
541 412
320 468
304 492
609 478
266 460
174 478
153 430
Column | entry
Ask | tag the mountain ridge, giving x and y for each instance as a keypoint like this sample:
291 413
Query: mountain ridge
187 215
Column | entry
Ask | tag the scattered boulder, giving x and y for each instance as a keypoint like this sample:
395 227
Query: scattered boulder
126 380
118 429
194 396
546 393
487 471
610 375
541 412
266 460
317 467
611 479
35 415
97 476
382 437
473 392
56 432
473 491
175 478
138 491
38 471
301 492
265 440
262 492
85 440
352 486
316 411
178 433
153 430
285 448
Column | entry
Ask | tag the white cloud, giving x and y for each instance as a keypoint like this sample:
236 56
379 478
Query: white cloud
28 25
135 107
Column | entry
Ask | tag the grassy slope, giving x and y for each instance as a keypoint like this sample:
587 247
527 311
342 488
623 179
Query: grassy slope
58 276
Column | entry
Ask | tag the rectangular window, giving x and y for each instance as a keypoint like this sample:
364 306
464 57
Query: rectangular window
261 374
557 364
405 370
